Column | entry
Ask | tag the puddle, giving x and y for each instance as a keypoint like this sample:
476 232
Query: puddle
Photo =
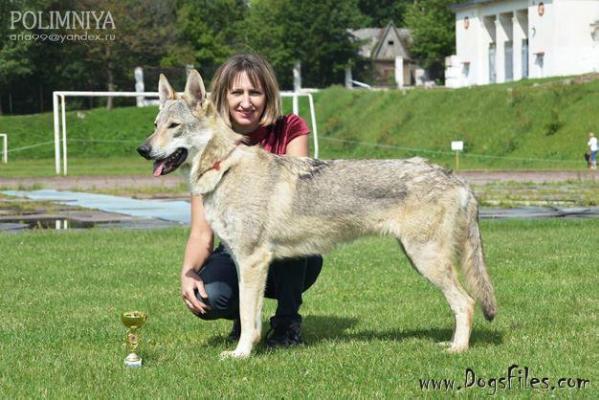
59 224
49 223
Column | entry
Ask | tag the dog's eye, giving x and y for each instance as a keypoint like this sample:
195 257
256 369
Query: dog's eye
155 125
173 125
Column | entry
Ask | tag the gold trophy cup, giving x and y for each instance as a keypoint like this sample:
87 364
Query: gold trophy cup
133 320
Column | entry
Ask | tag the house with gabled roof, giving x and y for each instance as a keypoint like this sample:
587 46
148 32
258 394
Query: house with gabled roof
385 48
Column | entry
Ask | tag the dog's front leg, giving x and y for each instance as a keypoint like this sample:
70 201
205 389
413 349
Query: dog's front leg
253 271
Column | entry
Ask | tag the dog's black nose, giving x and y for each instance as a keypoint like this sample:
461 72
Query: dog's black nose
144 150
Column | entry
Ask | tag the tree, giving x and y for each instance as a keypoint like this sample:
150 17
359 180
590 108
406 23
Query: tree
432 26
208 32
15 54
314 32
144 30
14 64
266 34
381 12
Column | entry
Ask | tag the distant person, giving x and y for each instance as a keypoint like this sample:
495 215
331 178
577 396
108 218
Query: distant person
592 143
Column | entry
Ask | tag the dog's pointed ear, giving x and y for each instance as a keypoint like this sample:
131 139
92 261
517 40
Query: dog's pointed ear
165 90
195 93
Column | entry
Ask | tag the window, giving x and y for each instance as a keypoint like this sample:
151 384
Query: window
466 68
541 9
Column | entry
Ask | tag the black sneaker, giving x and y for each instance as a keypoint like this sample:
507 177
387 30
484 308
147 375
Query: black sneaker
283 332
235 333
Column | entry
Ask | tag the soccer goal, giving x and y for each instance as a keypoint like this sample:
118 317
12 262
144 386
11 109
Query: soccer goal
4 137
60 120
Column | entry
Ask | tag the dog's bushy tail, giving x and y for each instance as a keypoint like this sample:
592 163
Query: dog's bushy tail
473 263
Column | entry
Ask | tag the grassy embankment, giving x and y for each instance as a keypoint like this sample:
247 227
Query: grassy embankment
524 125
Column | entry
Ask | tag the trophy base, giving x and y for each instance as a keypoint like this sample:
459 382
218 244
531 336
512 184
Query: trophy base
133 361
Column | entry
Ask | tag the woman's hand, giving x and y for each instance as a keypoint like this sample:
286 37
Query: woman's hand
190 282
197 251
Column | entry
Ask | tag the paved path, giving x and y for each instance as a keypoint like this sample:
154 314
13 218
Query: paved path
174 181
482 177
168 210
93 182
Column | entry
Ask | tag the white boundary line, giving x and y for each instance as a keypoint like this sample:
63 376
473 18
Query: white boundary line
61 129
4 147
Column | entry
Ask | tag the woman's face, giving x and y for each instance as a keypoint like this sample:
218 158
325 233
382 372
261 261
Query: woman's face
246 104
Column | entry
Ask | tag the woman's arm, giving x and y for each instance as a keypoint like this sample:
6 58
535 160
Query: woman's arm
298 147
199 247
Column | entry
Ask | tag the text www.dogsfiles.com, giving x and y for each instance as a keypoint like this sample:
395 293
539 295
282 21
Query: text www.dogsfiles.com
516 378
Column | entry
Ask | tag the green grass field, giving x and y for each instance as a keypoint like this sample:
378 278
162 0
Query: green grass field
370 323
91 166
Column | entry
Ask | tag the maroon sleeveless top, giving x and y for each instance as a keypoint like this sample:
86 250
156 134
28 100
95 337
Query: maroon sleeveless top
274 138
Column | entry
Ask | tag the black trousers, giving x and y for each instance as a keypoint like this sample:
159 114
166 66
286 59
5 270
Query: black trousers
287 280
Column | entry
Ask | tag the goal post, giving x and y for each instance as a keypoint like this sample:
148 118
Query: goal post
60 120
4 137
308 94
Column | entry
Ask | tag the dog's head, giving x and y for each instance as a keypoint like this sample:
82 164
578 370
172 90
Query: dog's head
182 126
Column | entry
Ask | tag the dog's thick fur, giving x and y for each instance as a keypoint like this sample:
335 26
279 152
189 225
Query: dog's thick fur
264 207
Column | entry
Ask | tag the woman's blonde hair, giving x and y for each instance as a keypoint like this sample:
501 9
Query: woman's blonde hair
260 74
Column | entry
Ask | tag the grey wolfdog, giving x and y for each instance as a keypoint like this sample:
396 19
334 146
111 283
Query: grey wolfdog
265 207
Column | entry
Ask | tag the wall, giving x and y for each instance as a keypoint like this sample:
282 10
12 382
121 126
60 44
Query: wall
560 40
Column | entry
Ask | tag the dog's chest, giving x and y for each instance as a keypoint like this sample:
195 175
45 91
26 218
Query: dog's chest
221 221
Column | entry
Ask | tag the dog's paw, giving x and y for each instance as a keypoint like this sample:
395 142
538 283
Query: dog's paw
456 349
233 354
444 344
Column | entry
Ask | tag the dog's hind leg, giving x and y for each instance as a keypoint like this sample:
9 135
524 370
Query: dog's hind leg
434 261
252 272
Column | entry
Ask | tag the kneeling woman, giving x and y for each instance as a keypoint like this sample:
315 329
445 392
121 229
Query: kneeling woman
246 94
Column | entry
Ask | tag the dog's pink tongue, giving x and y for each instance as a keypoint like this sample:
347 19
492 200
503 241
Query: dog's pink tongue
158 168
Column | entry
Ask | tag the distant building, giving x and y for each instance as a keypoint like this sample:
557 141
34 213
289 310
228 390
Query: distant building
384 47
505 40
